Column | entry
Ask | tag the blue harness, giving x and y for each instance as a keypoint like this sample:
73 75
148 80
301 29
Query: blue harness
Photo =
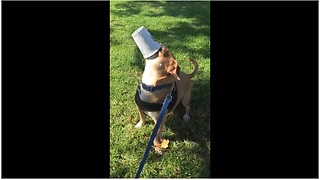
146 106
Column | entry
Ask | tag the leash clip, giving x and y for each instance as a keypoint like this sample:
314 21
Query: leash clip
169 97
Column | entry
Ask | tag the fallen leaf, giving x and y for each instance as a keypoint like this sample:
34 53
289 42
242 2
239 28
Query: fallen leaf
161 147
164 143
158 151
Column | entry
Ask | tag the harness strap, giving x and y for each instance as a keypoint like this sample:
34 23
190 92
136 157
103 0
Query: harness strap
154 88
147 106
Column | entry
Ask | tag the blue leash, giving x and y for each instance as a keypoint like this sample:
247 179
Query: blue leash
154 133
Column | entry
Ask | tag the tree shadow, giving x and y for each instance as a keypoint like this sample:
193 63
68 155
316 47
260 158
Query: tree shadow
138 60
175 39
174 36
127 9
113 41
185 9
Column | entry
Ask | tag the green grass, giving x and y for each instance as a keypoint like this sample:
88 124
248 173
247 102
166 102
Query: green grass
184 27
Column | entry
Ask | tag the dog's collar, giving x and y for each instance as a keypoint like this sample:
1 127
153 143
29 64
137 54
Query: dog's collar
154 88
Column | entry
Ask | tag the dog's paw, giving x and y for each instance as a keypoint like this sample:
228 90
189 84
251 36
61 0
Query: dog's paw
139 124
186 118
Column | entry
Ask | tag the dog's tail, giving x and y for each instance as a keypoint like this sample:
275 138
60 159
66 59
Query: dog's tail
195 67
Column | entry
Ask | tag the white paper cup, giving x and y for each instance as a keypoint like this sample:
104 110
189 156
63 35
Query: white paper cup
145 42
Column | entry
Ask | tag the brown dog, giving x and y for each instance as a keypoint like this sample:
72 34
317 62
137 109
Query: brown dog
162 76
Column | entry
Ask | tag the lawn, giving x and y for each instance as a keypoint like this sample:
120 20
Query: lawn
184 27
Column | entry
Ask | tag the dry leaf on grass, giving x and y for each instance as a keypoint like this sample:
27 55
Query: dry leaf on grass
163 145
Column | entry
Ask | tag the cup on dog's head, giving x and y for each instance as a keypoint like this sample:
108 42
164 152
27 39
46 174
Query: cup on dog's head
145 42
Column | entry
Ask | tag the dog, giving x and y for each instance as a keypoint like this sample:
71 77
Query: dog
162 76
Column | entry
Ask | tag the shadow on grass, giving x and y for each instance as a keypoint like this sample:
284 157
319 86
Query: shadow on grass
186 9
112 40
138 60
175 39
175 36
131 8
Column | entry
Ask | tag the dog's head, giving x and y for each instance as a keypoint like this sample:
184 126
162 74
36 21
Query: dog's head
167 65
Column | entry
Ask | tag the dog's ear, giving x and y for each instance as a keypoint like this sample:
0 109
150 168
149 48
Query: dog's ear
164 52
172 68
171 64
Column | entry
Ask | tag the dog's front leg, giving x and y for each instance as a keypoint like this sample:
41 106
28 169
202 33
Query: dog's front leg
155 116
142 118
157 140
